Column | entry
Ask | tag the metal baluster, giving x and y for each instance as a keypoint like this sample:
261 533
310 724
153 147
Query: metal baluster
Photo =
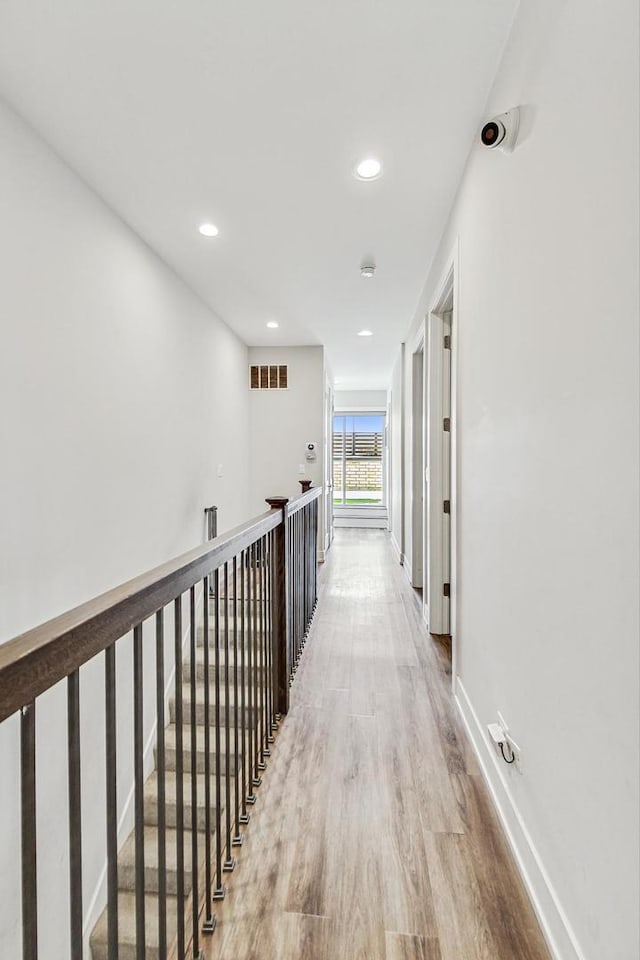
291 623
237 837
251 797
75 814
218 893
307 518
244 681
209 922
195 900
28 832
111 801
162 790
229 862
315 555
297 588
255 720
262 674
269 642
177 612
138 765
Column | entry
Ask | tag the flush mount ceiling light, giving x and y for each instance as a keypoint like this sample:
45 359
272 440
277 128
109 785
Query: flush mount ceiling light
367 270
365 333
273 325
369 169
208 230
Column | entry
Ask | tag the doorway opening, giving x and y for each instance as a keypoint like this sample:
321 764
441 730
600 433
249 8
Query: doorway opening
359 471
441 461
418 517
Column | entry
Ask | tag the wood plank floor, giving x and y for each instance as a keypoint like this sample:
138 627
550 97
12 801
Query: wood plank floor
373 837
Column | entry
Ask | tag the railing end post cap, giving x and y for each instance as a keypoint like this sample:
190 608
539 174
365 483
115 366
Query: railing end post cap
276 503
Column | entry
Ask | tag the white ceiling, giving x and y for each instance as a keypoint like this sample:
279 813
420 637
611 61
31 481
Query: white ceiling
252 115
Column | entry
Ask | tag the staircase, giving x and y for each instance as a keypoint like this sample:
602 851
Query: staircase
270 564
126 856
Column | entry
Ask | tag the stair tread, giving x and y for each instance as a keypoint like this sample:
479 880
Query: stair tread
127 926
170 739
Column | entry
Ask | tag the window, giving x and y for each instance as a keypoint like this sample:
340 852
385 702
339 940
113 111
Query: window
358 460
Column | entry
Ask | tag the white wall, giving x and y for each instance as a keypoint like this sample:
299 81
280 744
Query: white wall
283 421
397 464
120 393
548 487
360 400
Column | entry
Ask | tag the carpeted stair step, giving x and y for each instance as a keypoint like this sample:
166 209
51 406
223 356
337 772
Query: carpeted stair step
127 928
151 800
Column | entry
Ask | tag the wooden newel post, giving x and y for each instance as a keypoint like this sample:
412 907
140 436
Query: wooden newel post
305 484
279 590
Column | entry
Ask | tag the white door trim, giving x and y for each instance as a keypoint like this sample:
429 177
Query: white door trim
418 503
446 300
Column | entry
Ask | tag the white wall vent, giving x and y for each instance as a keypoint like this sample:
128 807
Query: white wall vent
270 376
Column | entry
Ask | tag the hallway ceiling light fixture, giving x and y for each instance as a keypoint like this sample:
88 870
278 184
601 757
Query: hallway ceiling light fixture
365 333
367 270
369 169
273 325
208 230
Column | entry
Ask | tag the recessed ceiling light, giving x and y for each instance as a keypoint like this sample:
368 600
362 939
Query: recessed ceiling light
365 333
208 230
273 325
369 169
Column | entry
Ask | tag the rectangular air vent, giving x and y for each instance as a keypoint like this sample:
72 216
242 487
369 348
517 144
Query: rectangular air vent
268 377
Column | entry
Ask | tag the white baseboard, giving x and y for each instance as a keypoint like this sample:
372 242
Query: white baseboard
407 570
396 549
555 924
321 555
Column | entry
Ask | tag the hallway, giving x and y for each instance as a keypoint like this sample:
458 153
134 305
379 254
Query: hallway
373 837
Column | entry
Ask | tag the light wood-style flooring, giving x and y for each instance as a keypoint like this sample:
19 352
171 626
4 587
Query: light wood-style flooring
373 837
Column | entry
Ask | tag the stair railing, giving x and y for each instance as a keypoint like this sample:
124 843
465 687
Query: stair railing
229 619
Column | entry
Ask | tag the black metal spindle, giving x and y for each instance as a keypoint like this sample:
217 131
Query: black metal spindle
138 766
268 640
209 922
275 658
75 814
244 726
229 862
111 801
161 781
218 893
28 832
262 674
255 720
193 717
251 797
237 837
290 620
179 765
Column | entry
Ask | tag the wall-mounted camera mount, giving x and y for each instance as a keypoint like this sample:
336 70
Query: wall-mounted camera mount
501 132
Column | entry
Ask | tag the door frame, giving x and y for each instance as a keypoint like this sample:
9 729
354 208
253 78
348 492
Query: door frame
418 433
445 301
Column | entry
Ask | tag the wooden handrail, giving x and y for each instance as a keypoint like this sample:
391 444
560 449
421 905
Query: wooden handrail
299 502
36 660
